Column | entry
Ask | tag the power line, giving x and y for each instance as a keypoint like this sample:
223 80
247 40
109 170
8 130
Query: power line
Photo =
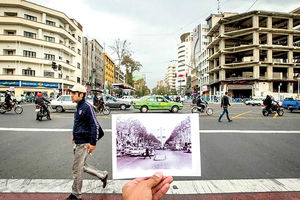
252 5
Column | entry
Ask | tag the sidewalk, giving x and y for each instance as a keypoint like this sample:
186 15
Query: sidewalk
241 189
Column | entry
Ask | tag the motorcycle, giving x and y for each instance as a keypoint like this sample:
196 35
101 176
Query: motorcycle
40 112
105 110
205 108
275 108
15 106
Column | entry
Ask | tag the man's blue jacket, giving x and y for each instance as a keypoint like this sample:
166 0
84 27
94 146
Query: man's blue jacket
85 129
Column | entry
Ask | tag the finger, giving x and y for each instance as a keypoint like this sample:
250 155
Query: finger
160 193
166 179
154 180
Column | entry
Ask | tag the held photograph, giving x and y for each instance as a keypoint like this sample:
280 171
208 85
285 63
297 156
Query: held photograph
143 144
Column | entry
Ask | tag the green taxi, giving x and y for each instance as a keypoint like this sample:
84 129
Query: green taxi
156 103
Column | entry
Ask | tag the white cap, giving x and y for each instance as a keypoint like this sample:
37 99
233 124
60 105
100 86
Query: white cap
78 88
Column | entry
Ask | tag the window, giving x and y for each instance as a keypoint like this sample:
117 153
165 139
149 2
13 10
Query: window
59 57
79 39
29 34
159 99
78 65
49 56
51 23
78 80
29 17
49 39
49 74
29 54
152 99
28 72
78 51
10 14
10 52
67 61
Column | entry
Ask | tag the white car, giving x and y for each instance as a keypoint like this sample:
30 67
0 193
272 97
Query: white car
64 102
255 101
129 99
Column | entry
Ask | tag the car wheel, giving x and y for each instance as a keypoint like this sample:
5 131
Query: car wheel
59 109
123 107
174 109
144 109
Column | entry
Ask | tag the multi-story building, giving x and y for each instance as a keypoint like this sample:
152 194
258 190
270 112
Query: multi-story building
170 79
200 76
109 71
92 64
184 61
255 53
119 75
32 39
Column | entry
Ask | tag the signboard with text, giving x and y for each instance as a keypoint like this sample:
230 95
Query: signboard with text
9 83
38 84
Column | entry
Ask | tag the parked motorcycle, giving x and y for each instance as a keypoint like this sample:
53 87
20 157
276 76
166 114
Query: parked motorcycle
205 108
275 108
15 106
41 112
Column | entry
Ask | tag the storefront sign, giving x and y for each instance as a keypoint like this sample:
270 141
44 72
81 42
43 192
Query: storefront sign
9 83
38 84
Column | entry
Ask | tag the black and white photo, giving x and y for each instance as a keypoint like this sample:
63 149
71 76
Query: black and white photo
143 144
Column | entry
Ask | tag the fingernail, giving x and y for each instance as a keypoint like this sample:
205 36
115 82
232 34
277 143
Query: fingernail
158 175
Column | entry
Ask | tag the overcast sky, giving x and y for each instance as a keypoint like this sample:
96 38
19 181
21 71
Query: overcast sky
153 27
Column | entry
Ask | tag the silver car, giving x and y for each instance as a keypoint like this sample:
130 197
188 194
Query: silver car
64 102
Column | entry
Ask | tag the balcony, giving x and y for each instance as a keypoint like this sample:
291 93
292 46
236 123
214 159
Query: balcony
37 42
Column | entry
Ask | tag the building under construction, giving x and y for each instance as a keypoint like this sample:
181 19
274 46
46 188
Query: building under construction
254 53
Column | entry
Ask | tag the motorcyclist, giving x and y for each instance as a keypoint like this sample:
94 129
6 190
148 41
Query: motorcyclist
96 101
8 100
40 100
200 103
101 103
268 102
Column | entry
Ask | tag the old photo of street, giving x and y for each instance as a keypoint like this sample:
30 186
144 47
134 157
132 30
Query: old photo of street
143 144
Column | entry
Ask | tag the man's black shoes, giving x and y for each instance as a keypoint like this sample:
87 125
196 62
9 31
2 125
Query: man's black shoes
104 181
72 196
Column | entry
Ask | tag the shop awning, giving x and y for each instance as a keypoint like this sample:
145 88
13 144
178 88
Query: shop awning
239 87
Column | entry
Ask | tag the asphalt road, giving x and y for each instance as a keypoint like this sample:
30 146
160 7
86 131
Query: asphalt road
48 155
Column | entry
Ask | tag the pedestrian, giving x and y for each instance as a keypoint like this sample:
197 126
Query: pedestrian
147 153
85 136
224 104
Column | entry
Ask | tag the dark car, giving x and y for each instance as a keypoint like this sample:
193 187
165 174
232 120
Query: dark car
113 102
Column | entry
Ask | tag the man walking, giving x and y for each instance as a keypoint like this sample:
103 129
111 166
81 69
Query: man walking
224 104
85 135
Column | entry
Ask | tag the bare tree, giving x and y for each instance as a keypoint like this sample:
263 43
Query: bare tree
121 49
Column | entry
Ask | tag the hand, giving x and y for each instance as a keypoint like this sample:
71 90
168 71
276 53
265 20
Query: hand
90 148
151 188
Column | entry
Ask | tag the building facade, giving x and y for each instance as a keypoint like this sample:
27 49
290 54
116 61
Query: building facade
183 65
119 75
32 39
109 71
93 64
200 76
170 79
255 54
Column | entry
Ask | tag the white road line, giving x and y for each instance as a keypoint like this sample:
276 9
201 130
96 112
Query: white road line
109 130
184 187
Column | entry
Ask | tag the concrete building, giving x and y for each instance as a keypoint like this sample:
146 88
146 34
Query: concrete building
32 37
184 58
92 64
119 75
200 76
109 71
170 79
255 53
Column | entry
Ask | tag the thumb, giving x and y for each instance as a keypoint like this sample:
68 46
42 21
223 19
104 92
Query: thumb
154 180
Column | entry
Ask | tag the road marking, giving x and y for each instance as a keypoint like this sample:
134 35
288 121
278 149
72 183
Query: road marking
275 116
182 187
236 116
109 130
